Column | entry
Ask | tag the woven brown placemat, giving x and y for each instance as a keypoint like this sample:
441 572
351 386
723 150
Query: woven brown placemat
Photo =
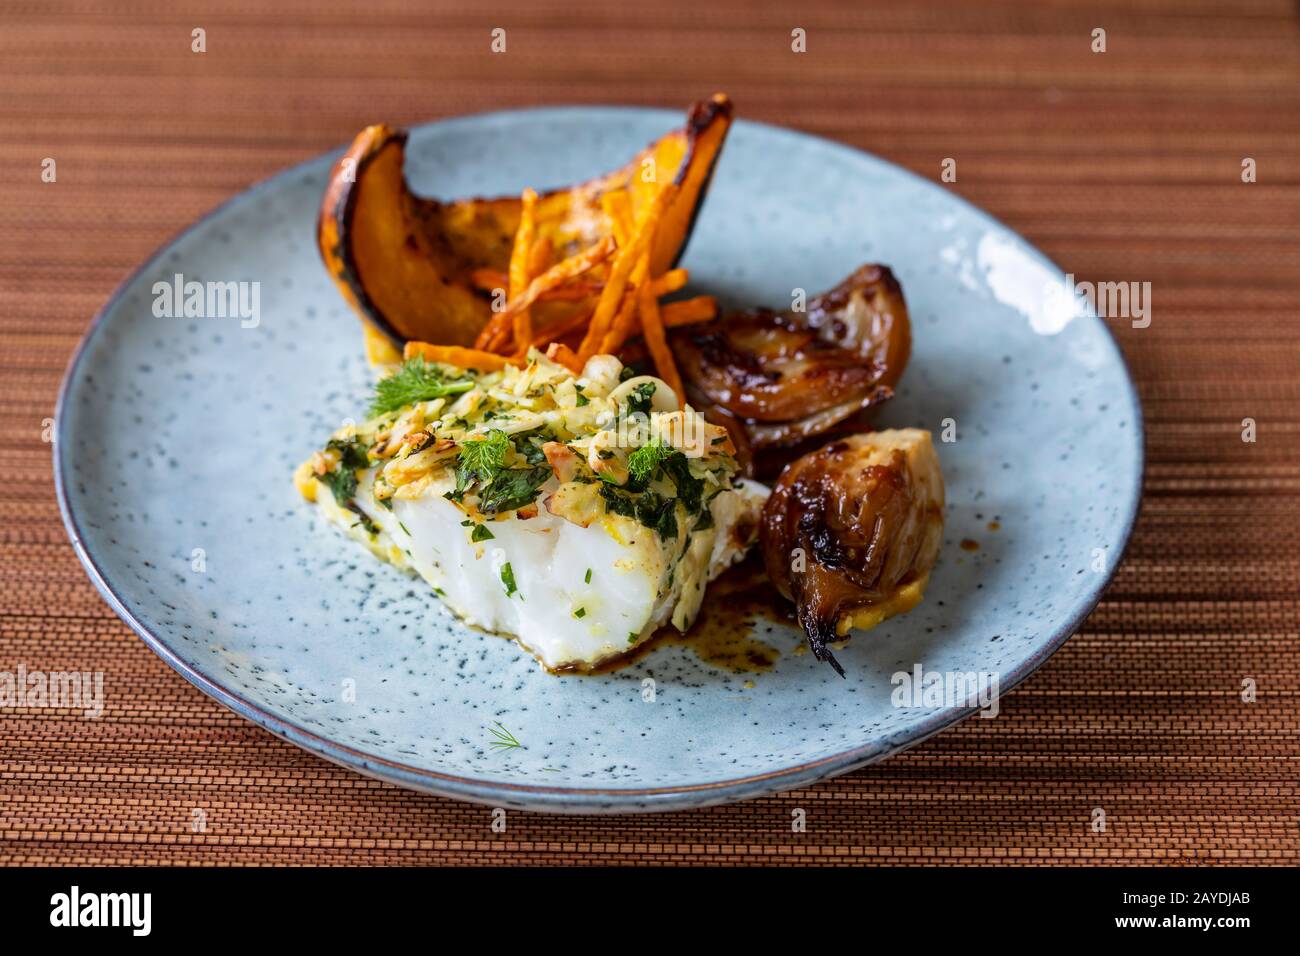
1122 165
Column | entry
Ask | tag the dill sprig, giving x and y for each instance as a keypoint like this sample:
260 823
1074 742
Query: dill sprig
644 462
480 459
505 740
415 381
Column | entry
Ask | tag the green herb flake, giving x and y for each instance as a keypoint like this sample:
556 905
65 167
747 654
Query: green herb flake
580 612
651 510
641 398
481 533
690 490
342 481
508 579
587 577
512 488
415 381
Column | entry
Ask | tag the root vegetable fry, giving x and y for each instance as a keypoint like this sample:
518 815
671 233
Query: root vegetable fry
519 277
611 297
459 356
670 281
625 322
541 257
553 333
556 275
559 352
702 308
656 340
490 279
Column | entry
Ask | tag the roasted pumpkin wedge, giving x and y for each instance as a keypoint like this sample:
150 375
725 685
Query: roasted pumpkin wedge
406 263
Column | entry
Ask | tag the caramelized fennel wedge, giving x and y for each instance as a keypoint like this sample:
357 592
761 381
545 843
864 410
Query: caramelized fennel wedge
786 377
851 532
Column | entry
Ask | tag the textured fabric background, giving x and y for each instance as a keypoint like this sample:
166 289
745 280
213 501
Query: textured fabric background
1121 166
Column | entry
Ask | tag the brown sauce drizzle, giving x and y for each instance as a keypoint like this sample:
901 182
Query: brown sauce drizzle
722 634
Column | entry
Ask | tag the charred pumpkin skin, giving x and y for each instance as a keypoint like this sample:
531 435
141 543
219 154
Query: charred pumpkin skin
403 261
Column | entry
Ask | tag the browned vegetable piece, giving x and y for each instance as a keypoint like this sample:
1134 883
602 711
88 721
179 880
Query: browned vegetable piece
851 532
406 263
790 376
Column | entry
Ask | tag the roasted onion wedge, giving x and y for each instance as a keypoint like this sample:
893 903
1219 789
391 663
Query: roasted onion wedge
789 376
851 532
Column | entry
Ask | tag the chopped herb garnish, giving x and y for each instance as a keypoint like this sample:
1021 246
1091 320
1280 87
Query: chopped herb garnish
481 533
640 398
690 490
632 636
480 460
580 612
415 381
652 510
587 577
342 481
512 488
529 445
508 579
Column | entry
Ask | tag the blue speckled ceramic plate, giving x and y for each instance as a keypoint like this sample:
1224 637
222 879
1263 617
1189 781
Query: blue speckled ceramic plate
176 439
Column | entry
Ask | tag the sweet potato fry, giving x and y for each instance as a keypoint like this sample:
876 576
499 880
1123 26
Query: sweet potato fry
611 297
459 356
702 308
494 334
656 340
670 281
559 352
553 333
573 292
625 322
541 257
519 277
490 279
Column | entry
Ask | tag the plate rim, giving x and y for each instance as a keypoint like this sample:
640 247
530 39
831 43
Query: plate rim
540 797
